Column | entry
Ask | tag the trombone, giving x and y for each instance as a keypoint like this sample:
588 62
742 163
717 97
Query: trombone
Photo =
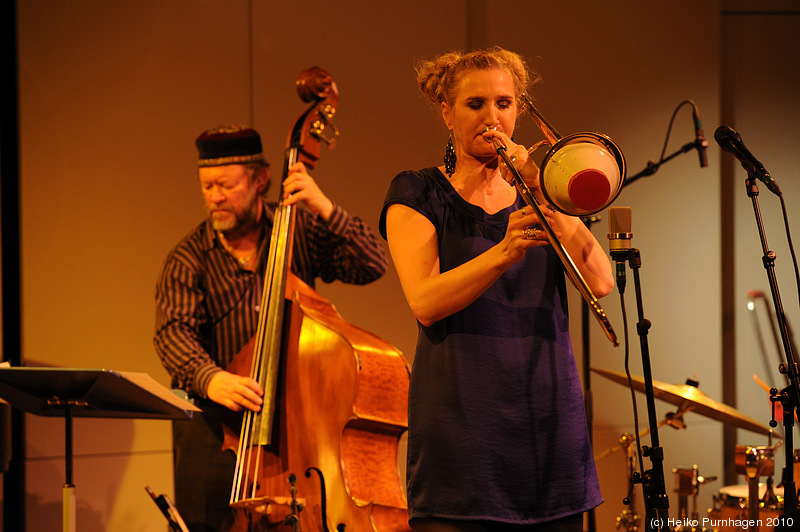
581 174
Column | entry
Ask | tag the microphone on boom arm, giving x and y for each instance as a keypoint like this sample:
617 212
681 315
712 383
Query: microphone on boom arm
730 141
699 138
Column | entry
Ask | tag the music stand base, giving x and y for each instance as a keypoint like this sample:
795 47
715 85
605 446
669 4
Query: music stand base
68 509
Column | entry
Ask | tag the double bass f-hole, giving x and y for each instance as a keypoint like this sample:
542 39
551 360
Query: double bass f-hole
293 519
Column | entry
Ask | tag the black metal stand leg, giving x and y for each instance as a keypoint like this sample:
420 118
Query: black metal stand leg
588 400
68 507
789 486
653 485
787 399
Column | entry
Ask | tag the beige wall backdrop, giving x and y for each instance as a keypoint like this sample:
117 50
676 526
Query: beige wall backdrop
112 95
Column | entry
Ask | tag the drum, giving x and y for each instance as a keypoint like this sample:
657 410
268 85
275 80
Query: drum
733 505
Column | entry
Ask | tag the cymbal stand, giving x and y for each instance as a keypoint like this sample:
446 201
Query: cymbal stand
788 397
654 488
673 419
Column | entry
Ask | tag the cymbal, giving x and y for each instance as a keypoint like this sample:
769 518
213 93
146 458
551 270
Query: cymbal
688 395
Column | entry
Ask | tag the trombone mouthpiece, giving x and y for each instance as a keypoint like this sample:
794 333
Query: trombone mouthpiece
492 138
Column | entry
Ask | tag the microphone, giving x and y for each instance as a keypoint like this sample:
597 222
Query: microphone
619 240
730 141
700 140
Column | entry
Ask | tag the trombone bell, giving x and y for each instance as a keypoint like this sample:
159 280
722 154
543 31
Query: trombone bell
582 173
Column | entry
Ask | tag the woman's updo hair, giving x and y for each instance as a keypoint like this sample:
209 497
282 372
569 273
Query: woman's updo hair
438 78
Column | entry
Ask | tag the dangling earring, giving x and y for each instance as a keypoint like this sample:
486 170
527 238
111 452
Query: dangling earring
450 157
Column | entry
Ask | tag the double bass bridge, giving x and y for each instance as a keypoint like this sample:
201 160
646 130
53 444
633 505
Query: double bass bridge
268 506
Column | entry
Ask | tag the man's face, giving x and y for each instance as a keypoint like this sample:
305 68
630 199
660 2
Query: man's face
231 195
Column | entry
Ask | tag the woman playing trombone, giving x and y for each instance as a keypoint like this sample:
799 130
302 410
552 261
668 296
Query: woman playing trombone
497 429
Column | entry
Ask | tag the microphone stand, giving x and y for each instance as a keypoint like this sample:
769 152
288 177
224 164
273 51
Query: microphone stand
788 397
654 488
649 170
652 167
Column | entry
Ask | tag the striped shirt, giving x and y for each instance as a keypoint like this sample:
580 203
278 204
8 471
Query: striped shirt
207 304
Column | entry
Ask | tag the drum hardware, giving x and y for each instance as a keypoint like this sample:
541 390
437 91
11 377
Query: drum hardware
734 502
687 484
770 499
756 461
775 407
673 419
753 466
628 520
689 397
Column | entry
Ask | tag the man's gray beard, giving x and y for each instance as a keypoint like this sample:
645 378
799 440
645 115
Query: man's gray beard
224 225
236 223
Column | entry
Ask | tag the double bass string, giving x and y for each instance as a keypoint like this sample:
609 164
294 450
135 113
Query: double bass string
257 426
252 420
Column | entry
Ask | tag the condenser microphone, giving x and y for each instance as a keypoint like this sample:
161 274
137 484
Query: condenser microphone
730 141
619 231
699 138
619 240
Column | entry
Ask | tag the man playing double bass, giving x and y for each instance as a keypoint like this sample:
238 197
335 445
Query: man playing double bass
208 299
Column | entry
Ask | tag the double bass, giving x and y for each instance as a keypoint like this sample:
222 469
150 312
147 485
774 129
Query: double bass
322 452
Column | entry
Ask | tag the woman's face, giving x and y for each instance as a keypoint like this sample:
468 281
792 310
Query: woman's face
483 98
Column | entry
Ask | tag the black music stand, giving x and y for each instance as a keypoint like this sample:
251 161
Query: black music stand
78 392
